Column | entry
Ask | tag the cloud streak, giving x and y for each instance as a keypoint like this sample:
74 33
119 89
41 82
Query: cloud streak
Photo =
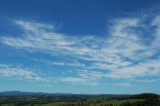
123 53
19 73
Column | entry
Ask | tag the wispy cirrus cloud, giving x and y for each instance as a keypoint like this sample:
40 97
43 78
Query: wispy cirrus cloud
20 73
82 77
124 84
78 81
123 53
72 63
150 68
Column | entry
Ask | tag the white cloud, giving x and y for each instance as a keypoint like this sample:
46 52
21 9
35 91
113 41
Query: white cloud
34 27
19 73
88 47
156 23
123 27
73 79
146 80
148 68
78 81
72 63
82 77
124 84
121 54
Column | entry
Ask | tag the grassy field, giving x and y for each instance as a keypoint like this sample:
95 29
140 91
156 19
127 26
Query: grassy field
87 103
146 99
84 103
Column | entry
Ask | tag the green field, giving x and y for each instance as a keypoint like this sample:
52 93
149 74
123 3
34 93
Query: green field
92 102
82 100
83 103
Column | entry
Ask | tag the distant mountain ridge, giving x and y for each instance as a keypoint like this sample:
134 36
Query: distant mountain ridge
19 93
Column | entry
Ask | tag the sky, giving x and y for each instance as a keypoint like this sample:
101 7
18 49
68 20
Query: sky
80 46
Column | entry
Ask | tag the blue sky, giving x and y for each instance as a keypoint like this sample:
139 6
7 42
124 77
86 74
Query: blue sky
80 46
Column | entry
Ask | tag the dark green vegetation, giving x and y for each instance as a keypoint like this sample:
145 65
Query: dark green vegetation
145 99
